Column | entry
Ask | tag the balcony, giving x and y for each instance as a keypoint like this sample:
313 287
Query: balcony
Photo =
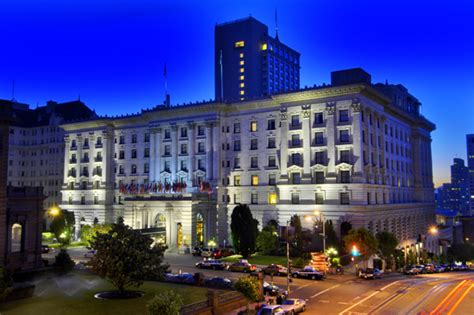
98 159
72 161
98 145
319 143
297 126
97 173
85 147
295 144
85 174
85 160
73 148
71 174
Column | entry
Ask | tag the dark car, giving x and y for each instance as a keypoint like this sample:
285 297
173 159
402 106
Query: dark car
276 270
45 249
370 273
242 266
197 251
272 290
309 273
218 282
180 278
411 270
210 264
226 252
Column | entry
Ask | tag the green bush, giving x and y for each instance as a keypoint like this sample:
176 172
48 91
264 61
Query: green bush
63 262
6 283
300 262
47 237
165 303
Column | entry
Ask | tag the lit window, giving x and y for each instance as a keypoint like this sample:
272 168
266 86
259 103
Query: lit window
253 126
254 180
239 44
242 70
272 198
242 62
242 77
264 46
242 85
242 92
241 55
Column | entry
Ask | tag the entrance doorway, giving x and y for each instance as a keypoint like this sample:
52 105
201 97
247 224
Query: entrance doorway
159 229
199 230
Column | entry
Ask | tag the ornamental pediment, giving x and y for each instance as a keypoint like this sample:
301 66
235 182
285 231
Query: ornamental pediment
199 173
165 174
319 167
344 166
182 173
294 168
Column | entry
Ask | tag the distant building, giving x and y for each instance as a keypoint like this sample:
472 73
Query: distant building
454 196
36 145
470 165
249 63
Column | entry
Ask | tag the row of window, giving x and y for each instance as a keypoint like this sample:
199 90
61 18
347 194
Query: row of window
272 199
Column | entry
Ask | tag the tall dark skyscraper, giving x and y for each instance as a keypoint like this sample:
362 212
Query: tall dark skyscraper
470 166
249 63
455 196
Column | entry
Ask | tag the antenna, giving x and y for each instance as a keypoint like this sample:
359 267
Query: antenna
276 24
13 90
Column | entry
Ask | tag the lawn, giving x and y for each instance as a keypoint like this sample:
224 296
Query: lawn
258 259
74 294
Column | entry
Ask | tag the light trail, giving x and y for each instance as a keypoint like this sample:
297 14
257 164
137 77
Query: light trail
440 305
455 306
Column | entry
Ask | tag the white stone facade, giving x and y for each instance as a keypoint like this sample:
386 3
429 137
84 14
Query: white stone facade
345 151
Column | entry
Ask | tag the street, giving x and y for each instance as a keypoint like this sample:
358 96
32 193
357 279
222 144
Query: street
442 293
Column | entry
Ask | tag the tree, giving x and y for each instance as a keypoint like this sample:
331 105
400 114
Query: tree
331 237
411 257
165 303
125 257
6 283
388 243
297 242
244 230
62 226
365 242
88 232
249 286
267 240
462 252
63 262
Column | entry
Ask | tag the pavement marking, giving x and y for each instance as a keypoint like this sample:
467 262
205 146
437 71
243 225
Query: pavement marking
441 304
455 306
368 297
324 291
343 303
302 287
357 297
323 301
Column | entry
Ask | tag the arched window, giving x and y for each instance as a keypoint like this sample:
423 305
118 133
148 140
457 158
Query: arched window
17 238
199 229
160 221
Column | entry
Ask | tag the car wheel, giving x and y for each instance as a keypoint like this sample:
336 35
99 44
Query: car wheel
313 277
295 275
304 309
245 270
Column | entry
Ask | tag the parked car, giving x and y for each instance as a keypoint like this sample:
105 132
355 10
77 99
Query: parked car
180 278
226 252
293 306
242 266
308 272
45 249
89 253
411 270
439 268
271 310
197 251
421 268
271 290
219 282
206 252
370 273
276 270
428 268
210 264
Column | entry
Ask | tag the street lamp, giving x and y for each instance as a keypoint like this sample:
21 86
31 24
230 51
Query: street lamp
54 211
433 230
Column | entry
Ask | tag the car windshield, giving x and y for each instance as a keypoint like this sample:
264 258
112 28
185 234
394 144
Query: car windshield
266 311
289 302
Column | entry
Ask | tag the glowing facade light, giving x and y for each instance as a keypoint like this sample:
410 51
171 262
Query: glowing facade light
54 211
433 230
355 251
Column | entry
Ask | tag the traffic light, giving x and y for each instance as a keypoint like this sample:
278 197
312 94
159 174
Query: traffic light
355 251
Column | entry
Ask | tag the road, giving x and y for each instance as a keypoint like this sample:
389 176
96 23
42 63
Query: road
444 293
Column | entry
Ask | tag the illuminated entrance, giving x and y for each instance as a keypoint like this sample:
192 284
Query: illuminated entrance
159 229
199 230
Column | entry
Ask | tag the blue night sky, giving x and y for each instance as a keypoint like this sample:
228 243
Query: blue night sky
112 53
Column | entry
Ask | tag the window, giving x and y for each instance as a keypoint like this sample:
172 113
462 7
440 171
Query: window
344 115
253 126
345 156
254 180
254 162
242 62
295 140
344 136
200 147
183 165
344 198
271 124
146 152
295 198
295 121
236 162
296 159
272 198
184 148
83 200
264 46
167 166
242 77
122 140
237 145
146 168
200 163
253 144
242 84
236 180
271 143
318 118
134 154
236 127
319 177
200 131
295 178
345 176
86 143
241 55
70 201
319 138
184 132
96 200
319 157
239 44
121 170
167 134
134 138
271 161
98 142
17 238
272 179
147 137
254 198
121 155
134 169
319 198
167 150
242 70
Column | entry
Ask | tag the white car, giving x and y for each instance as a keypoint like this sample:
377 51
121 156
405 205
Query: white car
89 254
293 306
206 252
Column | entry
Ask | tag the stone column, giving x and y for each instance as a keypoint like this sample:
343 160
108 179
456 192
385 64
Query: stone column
191 152
209 167
152 155
358 170
174 152
157 154
216 152
67 147
306 144
283 145
331 176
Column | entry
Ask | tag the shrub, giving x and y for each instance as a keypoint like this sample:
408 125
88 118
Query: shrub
6 283
165 303
300 262
250 288
47 237
63 262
